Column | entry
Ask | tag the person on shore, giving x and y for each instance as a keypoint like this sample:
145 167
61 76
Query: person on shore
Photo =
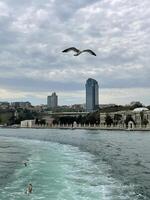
29 189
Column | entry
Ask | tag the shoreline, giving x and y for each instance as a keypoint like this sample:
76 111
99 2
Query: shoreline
82 128
98 128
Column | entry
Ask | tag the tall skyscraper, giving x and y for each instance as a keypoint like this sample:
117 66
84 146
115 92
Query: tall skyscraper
52 101
92 95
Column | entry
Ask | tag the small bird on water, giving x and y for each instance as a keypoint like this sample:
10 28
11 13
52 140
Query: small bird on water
78 52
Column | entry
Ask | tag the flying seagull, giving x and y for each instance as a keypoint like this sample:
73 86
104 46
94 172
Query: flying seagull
78 52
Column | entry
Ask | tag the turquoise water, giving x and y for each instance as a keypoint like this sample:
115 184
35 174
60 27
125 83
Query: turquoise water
74 164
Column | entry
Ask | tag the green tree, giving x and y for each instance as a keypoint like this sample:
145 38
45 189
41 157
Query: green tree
67 120
117 118
128 119
108 120
145 122
137 105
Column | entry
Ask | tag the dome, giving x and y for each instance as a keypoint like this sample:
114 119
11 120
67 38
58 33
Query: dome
140 109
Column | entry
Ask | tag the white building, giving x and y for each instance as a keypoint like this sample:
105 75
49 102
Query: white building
27 124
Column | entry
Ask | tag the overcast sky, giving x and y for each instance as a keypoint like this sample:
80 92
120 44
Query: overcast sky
34 32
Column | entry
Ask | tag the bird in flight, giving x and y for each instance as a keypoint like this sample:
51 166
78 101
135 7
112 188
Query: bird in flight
78 52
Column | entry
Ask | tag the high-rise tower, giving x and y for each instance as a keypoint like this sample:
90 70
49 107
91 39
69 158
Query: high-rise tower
92 95
52 101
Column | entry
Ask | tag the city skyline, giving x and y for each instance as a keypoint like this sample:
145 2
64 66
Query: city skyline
34 33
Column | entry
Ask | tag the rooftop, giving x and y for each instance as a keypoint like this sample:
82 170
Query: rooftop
140 109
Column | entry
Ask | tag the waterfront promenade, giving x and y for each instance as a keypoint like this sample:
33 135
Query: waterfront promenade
89 127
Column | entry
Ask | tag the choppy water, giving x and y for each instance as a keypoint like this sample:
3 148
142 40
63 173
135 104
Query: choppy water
74 164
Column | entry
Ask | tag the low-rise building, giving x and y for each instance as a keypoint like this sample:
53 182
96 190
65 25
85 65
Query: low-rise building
4 105
21 104
27 124
137 118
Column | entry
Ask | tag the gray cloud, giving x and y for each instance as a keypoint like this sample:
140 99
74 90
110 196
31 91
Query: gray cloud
33 34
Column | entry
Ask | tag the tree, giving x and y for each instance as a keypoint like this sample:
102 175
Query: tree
148 107
117 118
108 120
144 122
92 118
128 119
37 121
136 105
42 122
67 120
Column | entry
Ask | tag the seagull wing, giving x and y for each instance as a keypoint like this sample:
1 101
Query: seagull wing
89 51
71 49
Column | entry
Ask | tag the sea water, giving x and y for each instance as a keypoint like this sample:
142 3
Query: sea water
74 164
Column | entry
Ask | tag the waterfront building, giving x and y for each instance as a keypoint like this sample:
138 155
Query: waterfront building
92 95
137 118
52 101
27 124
